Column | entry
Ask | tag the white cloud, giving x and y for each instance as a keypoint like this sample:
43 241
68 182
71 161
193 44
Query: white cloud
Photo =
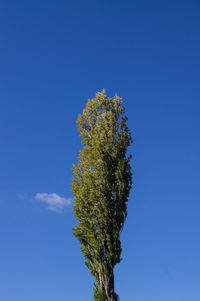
54 201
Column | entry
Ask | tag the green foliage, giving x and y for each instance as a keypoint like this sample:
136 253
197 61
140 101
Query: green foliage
101 185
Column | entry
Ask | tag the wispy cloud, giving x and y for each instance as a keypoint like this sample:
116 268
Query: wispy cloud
54 201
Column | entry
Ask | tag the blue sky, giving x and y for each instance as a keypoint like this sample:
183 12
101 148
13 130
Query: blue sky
54 55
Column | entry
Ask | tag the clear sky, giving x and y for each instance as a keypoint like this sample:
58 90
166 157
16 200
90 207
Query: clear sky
54 55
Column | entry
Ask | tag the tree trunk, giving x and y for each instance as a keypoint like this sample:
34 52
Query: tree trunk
110 291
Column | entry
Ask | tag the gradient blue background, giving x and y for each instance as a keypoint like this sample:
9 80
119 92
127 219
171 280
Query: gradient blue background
54 55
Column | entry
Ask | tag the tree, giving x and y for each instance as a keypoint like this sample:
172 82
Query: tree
101 185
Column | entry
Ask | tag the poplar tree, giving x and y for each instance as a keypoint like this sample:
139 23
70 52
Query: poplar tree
101 185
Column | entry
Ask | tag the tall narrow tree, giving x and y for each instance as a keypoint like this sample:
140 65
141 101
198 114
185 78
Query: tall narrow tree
101 185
